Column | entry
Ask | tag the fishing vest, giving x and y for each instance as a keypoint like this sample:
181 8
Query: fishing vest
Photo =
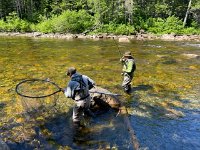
129 65
81 92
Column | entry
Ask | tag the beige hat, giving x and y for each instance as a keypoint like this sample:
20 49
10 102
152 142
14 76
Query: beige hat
128 53
71 70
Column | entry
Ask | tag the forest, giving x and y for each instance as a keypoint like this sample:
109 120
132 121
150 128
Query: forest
119 17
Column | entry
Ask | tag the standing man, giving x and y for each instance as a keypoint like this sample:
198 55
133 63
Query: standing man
78 89
129 67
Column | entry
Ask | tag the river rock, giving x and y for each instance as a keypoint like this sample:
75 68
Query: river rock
191 55
168 37
111 100
124 39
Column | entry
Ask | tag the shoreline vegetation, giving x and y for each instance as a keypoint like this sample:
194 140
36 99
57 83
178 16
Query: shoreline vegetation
140 20
121 38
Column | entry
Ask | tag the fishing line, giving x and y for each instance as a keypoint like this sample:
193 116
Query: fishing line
120 54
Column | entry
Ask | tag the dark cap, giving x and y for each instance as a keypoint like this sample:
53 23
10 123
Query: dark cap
71 71
128 53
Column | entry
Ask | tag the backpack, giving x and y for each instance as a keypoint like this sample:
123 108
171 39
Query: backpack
82 91
82 83
79 79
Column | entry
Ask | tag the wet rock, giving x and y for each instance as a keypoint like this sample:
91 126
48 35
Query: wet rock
121 38
111 100
36 34
168 37
191 55
124 39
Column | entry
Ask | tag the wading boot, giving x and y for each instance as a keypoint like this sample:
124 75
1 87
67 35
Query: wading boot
77 125
88 112
128 90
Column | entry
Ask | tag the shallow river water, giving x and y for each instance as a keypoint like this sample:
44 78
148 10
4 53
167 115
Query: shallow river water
164 107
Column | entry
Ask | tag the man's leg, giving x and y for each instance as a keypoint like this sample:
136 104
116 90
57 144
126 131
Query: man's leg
77 114
87 110
126 83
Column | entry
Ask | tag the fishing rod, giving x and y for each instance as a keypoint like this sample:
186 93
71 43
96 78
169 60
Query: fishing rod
120 53
105 93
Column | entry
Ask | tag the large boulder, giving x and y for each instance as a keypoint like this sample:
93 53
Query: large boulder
105 98
124 39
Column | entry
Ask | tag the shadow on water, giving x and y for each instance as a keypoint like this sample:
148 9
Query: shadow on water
141 88
57 131
104 131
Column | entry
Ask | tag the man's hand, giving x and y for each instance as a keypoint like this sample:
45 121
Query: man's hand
63 90
122 59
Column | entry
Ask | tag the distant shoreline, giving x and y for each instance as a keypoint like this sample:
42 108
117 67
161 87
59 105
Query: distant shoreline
139 36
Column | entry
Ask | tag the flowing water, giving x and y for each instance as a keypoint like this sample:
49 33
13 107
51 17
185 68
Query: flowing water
164 107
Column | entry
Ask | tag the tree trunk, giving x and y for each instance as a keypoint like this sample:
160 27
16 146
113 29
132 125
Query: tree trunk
129 10
186 15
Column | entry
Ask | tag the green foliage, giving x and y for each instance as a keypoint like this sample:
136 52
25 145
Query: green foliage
164 26
124 29
162 10
14 23
45 27
191 31
170 25
139 23
67 22
72 21
118 29
77 16
196 5
2 25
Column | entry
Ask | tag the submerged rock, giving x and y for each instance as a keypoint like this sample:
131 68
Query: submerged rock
191 55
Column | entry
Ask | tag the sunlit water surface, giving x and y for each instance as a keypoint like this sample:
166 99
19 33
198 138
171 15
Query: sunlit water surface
163 107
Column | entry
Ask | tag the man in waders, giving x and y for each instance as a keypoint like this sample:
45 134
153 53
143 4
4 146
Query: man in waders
129 67
78 89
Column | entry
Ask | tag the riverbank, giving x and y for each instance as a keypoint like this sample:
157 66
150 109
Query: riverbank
139 36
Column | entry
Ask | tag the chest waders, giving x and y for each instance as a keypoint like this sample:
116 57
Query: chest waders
128 68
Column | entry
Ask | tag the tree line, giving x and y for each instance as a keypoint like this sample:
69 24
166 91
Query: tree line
101 16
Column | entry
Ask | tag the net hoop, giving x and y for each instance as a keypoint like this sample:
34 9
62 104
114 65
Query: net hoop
33 80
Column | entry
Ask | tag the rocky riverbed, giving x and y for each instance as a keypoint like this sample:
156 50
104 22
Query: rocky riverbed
122 38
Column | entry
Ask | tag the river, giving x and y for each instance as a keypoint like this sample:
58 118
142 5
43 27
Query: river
164 107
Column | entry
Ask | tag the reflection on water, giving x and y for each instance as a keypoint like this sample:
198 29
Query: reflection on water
164 105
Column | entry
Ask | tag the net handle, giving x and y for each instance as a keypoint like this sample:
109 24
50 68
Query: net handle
16 88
